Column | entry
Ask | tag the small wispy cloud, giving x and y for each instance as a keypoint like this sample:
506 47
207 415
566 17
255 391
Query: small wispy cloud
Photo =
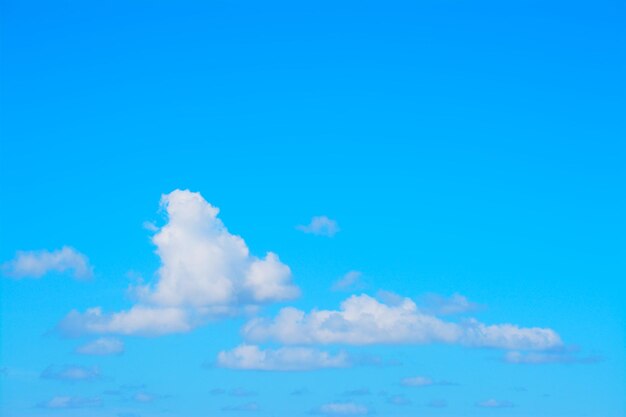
151 226
251 357
417 381
558 356
440 305
493 403
36 264
422 381
233 392
102 347
145 397
342 409
351 281
321 226
71 373
399 400
64 402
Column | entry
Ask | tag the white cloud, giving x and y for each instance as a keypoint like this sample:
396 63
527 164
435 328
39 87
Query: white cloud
139 320
36 264
363 320
350 281
492 403
343 409
102 346
202 264
71 373
320 225
251 357
205 272
61 402
417 381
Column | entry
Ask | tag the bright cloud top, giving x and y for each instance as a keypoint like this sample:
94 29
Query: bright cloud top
205 271
363 320
36 264
251 357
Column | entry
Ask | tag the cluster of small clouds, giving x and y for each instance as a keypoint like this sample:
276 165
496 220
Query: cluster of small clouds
206 273
36 264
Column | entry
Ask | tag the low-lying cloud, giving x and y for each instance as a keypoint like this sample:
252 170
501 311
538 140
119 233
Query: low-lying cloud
364 320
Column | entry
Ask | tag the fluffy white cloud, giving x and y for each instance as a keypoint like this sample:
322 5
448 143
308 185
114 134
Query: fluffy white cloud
102 346
251 357
202 264
36 264
320 225
343 409
363 320
205 272
350 281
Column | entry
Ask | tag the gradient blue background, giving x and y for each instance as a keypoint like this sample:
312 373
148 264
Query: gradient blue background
474 147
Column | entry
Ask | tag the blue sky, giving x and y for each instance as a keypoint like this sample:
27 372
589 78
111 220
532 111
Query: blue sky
421 208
